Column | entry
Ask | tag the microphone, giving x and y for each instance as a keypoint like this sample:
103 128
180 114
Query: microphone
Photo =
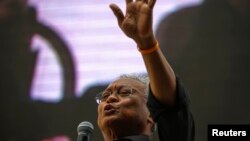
85 130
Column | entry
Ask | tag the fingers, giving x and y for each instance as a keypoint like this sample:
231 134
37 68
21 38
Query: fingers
143 1
117 12
151 3
128 1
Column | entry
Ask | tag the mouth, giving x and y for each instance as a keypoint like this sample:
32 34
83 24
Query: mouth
109 110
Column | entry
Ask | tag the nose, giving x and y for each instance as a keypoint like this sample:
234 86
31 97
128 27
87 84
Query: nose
112 98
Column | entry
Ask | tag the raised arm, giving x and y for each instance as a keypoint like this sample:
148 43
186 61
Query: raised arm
137 23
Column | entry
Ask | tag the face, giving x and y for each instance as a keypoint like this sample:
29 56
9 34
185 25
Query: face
122 112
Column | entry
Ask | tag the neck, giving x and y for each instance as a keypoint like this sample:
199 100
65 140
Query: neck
112 134
109 135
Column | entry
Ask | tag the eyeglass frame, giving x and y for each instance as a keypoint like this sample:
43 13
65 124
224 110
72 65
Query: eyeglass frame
100 98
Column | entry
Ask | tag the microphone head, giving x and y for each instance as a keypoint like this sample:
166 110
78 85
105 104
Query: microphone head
85 127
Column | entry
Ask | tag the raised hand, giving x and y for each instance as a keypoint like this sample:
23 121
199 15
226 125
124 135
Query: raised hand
136 23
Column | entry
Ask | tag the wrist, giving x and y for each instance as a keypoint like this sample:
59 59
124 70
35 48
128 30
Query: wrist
146 42
149 50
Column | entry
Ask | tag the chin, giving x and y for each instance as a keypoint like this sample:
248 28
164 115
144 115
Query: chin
112 121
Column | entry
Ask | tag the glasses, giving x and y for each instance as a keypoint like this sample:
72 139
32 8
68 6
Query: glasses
121 92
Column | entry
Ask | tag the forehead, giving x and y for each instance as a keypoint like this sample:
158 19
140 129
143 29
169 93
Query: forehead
127 82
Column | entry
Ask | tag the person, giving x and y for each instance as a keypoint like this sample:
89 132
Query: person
131 105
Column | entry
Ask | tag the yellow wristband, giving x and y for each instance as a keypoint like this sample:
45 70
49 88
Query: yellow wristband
150 50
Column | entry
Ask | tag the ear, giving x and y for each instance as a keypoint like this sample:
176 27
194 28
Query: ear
151 123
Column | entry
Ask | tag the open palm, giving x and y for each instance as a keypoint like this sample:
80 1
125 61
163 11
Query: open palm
137 21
